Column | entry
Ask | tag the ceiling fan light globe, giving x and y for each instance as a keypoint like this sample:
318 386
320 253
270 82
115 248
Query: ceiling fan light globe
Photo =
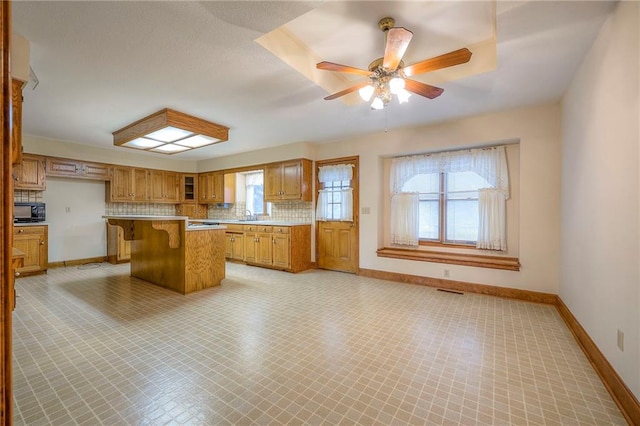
366 92
377 103
396 84
403 96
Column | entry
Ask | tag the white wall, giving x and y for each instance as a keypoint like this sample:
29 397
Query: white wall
538 130
600 279
79 233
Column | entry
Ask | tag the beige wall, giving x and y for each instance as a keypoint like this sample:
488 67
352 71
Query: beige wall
262 156
537 129
600 279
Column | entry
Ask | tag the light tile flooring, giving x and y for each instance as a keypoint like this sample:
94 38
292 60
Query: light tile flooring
94 346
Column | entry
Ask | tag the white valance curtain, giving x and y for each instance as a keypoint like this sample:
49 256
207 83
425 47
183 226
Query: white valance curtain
254 179
490 163
335 203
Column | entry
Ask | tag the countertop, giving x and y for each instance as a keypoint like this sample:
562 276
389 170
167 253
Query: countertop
144 217
251 222
31 224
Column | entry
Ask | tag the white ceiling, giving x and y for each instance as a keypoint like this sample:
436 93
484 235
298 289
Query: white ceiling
103 65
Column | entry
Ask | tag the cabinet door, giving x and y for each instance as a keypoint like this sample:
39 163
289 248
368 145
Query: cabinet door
291 181
32 240
188 189
202 188
63 167
228 245
124 246
156 186
140 185
96 171
121 184
281 251
272 182
216 188
265 248
16 121
29 174
171 181
251 247
238 247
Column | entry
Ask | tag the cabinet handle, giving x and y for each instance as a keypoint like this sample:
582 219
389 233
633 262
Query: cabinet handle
17 274
41 243
20 231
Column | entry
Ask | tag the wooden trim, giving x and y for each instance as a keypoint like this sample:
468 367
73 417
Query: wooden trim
621 394
489 290
6 213
478 260
77 262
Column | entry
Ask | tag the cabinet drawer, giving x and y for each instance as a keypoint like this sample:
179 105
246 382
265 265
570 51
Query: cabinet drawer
280 229
258 228
24 230
233 227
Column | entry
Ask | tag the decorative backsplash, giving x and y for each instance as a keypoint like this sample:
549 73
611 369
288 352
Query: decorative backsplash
22 196
293 211
140 208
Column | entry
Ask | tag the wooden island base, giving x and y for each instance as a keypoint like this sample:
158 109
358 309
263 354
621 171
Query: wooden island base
166 253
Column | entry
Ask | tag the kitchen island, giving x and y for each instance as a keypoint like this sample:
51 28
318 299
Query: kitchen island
167 252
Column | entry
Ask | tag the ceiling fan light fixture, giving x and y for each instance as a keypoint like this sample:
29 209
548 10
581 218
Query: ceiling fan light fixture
169 132
366 92
396 84
377 103
403 96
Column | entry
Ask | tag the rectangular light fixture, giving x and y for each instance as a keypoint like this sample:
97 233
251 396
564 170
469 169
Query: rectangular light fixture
169 132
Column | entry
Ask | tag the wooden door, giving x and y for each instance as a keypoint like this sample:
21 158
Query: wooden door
238 247
272 182
265 248
291 180
140 185
121 185
281 251
30 173
337 241
251 247
156 186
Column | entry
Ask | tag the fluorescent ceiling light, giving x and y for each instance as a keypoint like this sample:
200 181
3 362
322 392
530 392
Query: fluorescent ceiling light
168 131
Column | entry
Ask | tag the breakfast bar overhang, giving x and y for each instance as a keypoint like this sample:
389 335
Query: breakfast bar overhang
166 252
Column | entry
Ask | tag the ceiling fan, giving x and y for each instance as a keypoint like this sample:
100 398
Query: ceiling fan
388 75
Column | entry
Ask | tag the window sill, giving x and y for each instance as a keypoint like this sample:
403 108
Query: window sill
478 260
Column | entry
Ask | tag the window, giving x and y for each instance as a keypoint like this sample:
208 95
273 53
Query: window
254 192
335 199
448 206
450 197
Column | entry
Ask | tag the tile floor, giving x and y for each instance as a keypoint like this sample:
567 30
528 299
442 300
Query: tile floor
94 346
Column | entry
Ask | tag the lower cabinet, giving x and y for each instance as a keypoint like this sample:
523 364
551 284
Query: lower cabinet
118 249
33 241
279 247
234 249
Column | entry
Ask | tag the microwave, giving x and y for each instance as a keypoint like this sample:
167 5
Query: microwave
29 212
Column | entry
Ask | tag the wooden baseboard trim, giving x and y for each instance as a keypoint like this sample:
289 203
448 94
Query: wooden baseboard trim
489 290
621 394
75 262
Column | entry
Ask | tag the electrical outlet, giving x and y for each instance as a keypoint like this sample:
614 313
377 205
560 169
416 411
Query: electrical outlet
446 273
620 340
67 209
365 210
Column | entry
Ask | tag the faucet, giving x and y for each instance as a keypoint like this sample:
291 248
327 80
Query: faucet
250 215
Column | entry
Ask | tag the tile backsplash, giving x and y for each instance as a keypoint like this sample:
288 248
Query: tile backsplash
292 211
140 208
22 196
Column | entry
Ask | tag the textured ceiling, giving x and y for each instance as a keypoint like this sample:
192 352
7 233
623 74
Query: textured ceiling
103 65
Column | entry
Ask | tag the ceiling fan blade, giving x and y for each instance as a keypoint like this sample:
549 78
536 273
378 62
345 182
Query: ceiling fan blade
330 66
397 42
450 59
422 89
346 91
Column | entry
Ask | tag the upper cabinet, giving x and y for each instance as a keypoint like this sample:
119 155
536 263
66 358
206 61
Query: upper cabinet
30 173
188 188
127 184
163 186
288 181
211 188
63 167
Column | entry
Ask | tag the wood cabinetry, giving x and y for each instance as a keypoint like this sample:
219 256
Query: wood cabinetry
33 241
16 121
64 167
127 184
30 173
211 188
234 245
280 247
188 189
193 211
163 186
288 181
118 249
